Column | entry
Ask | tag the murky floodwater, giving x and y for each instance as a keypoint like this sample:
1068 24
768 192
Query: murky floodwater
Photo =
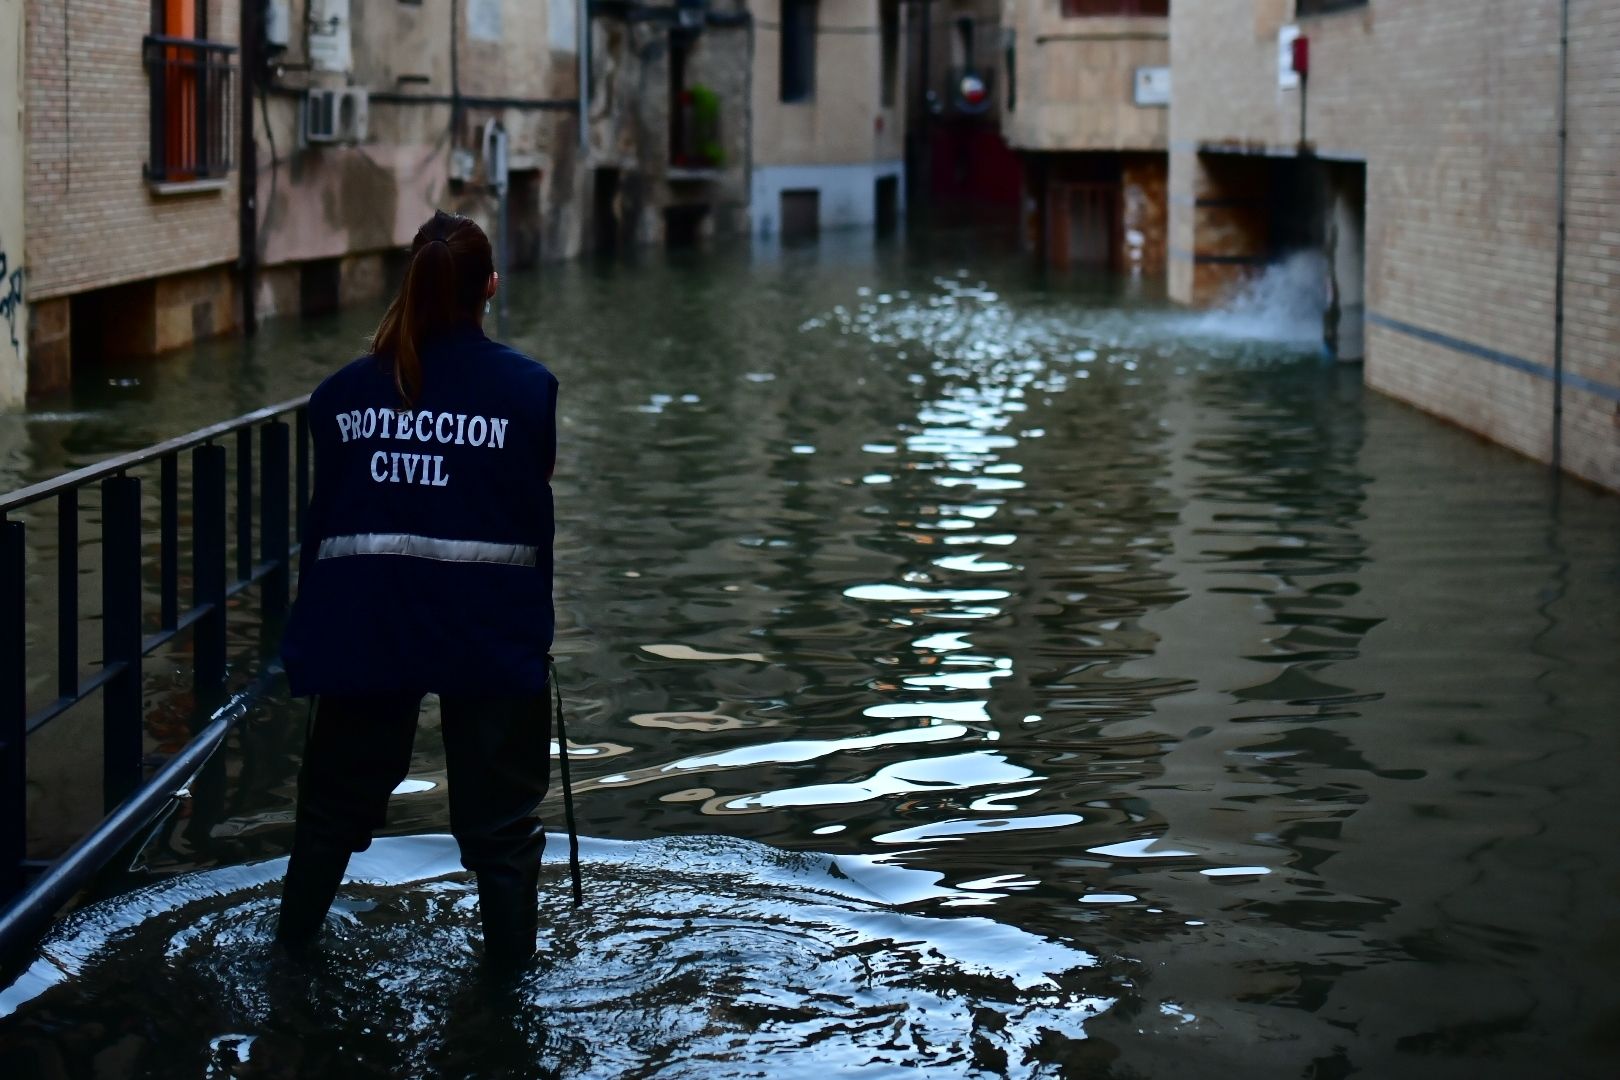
972 676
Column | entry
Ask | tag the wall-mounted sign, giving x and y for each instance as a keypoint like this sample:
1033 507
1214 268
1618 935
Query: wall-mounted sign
1153 86
1287 77
971 93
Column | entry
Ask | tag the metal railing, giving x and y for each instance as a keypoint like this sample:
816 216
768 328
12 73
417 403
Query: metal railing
31 891
695 132
193 99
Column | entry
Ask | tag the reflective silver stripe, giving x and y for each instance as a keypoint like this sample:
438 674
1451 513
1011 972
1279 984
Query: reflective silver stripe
428 547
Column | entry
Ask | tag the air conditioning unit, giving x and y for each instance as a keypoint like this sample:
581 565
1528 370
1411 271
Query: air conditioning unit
336 116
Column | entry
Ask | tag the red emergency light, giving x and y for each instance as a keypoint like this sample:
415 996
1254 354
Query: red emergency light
1302 55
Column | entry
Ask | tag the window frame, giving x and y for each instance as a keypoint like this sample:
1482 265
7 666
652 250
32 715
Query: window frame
1114 9
192 96
1311 9
796 54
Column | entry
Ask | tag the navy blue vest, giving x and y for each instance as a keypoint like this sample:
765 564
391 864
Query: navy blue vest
426 559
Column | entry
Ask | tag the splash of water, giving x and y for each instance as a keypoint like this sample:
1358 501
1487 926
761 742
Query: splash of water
1283 304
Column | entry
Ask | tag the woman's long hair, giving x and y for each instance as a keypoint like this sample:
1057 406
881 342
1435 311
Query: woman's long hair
444 287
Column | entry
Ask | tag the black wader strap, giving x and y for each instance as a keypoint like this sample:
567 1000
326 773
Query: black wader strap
568 791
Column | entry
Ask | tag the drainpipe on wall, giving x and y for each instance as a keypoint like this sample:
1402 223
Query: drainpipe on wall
925 115
247 175
455 74
584 66
1558 261
748 131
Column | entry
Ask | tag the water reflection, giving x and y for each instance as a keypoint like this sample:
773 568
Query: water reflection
715 958
1113 628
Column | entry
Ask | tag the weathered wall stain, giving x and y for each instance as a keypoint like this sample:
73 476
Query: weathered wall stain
11 298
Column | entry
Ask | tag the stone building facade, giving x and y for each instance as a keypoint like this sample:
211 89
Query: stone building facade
1089 116
829 141
1423 163
670 126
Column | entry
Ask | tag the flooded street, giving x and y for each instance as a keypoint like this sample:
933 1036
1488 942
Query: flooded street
971 674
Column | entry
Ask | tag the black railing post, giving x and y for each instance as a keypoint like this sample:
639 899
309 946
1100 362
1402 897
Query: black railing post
301 472
13 708
244 503
208 565
273 497
204 127
169 541
122 735
67 594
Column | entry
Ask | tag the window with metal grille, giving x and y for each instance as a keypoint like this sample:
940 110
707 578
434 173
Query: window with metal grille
193 95
1079 9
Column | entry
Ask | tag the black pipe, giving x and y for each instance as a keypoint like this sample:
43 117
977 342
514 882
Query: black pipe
459 101
924 157
247 177
26 919
455 71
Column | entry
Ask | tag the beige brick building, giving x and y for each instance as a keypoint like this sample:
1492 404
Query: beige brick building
1088 112
130 194
1431 144
829 140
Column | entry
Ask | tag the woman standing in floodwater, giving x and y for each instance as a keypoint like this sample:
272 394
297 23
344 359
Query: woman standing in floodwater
426 568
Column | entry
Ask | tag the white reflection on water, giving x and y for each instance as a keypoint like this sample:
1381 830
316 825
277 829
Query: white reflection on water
1140 849
902 593
962 828
956 772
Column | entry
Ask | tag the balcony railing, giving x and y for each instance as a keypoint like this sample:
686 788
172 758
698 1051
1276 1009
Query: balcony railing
193 101
694 142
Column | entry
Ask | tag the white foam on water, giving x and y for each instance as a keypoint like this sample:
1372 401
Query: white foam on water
1283 304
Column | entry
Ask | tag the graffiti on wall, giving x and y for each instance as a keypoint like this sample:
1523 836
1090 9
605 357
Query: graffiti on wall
11 295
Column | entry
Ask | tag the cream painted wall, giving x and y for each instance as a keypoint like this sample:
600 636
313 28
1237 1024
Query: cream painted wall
13 311
845 121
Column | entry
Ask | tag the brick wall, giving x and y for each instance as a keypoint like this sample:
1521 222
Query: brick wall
93 221
1453 106
1076 80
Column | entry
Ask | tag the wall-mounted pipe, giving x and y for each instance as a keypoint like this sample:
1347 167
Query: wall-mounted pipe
1558 259
583 66
251 15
